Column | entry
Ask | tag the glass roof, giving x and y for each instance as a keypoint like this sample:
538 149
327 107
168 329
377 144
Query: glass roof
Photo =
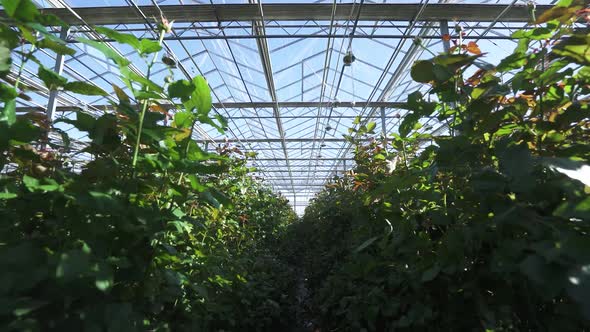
313 97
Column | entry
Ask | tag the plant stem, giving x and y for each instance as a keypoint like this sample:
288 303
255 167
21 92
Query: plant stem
22 66
404 153
145 104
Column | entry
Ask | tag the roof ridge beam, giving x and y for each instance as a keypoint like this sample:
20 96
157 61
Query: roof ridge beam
295 12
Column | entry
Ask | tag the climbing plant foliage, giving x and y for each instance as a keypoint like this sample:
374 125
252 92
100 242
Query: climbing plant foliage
484 226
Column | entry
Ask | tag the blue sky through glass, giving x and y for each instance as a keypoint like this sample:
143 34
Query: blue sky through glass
233 67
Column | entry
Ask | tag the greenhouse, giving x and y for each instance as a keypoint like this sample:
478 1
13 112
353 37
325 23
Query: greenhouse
302 165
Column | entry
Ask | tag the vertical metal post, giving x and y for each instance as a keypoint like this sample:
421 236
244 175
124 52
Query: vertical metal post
383 127
59 68
302 79
444 30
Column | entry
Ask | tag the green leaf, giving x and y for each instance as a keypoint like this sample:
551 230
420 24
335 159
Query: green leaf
84 88
409 123
36 26
51 20
442 73
454 61
222 120
108 52
564 3
513 61
579 209
143 46
5 58
8 191
84 122
575 48
19 133
104 278
423 71
121 95
183 119
417 104
9 36
132 77
515 160
25 306
222 197
21 10
123 38
370 126
206 195
181 226
181 89
561 13
541 33
200 98
44 185
5 195
522 46
148 46
9 112
56 47
196 184
143 95
51 79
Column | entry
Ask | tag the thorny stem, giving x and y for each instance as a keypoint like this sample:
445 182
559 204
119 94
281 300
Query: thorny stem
145 103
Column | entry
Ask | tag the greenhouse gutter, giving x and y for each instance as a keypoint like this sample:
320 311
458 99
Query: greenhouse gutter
292 12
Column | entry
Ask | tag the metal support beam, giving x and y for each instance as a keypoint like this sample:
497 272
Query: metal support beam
383 126
256 105
292 166
299 104
287 178
294 12
302 159
259 30
302 186
308 117
376 37
301 171
58 68
281 140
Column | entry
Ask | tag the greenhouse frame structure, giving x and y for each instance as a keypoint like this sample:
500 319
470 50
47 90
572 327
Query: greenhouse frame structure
277 69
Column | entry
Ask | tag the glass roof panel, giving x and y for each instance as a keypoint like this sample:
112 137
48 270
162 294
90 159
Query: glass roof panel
306 67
